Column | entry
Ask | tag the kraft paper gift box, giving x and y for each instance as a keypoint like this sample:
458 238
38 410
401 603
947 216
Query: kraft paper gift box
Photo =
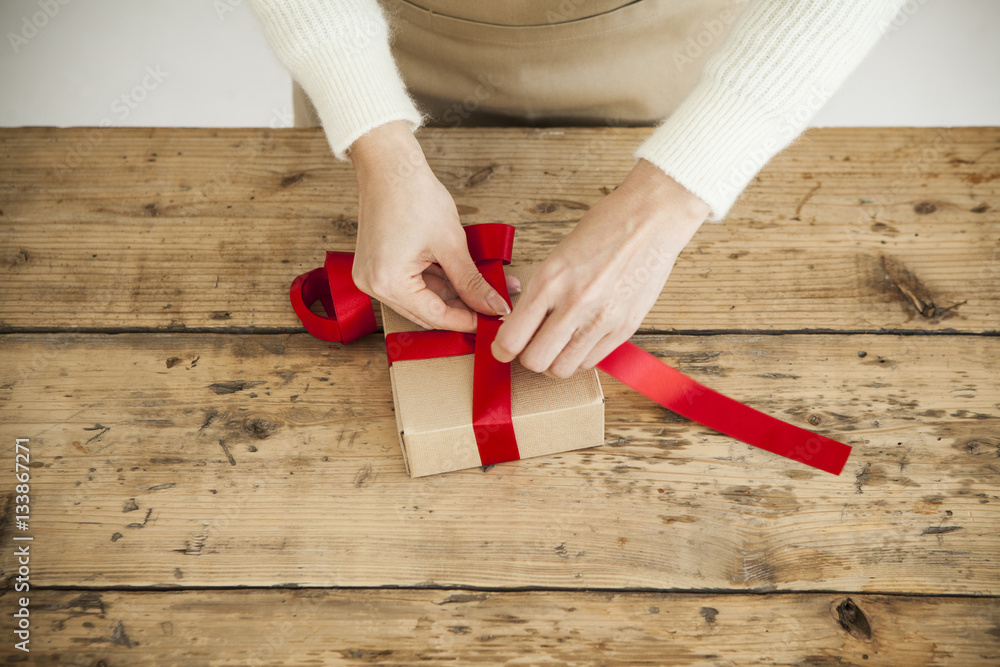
433 404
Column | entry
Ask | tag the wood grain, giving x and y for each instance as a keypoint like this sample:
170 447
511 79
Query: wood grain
848 230
415 627
189 460
189 440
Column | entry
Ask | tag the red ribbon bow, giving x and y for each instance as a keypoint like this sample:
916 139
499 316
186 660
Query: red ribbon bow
350 316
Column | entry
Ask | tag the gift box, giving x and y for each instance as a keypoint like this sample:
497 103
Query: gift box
433 403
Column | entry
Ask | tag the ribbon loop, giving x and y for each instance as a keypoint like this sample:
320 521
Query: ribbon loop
349 313
491 240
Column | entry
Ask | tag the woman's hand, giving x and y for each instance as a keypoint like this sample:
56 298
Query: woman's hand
592 293
407 222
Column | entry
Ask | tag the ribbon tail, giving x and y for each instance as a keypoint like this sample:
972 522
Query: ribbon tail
675 391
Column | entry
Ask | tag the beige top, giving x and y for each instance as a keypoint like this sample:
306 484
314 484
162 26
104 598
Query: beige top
731 81
521 12
607 62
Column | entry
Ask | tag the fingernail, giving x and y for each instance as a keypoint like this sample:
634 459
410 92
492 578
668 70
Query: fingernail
497 303
516 290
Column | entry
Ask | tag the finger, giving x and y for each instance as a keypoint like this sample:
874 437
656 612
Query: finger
414 300
436 270
513 283
603 348
429 307
470 283
549 340
578 348
518 327
441 287
406 313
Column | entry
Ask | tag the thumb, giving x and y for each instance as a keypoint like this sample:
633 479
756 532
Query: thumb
470 283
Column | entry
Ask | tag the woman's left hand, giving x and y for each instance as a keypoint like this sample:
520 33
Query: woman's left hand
592 293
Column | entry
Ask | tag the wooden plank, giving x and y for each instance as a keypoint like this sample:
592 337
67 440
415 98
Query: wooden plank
849 229
417 627
210 460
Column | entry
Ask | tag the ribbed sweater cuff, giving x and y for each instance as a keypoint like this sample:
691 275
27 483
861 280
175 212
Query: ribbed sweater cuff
354 95
338 50
715 143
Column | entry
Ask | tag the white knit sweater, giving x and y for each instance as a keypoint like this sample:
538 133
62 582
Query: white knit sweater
781 62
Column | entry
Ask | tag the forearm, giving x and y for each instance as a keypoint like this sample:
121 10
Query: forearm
667 201
388 151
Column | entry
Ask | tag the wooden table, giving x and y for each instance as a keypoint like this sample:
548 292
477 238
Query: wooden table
212 486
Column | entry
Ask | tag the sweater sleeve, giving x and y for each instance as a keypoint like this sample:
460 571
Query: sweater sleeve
338 51
781 62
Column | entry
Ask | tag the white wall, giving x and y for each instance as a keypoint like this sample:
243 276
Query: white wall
939 65
218 68
212 66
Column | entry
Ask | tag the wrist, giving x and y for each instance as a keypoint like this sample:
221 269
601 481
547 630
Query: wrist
389 149
656 186
656 209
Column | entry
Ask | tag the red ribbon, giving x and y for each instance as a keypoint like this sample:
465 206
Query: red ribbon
490 246
333 286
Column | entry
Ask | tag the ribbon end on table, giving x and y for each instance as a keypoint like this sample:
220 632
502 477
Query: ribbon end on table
812 449
675 391
835 457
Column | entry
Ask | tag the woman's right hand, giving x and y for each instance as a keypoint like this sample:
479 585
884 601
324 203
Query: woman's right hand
407 222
